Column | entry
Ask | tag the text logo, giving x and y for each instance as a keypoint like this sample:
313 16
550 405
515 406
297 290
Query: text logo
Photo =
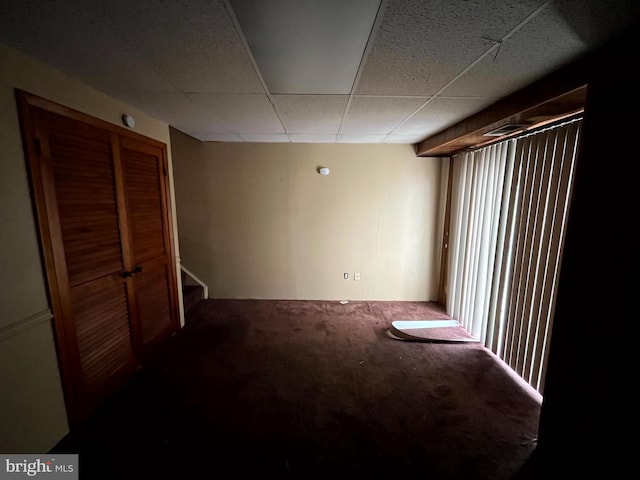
49 467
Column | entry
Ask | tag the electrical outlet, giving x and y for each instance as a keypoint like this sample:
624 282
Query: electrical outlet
356 276
346 275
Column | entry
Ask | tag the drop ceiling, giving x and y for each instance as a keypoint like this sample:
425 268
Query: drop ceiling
319 71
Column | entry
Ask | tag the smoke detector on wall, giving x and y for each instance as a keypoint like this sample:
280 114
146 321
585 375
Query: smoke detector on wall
128 121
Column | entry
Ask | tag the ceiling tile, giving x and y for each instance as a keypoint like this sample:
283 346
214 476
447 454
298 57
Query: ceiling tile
311 113
378 115
594 21
243 114
440 113
310 47
194 44
421 45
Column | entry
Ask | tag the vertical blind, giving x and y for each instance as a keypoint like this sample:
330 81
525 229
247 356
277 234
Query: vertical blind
476 203
509 203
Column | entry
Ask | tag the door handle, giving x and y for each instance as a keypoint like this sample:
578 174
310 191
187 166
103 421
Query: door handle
131 273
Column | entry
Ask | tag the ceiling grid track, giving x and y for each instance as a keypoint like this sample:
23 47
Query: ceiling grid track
374 29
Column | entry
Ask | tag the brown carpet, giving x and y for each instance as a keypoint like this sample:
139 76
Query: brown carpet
312 388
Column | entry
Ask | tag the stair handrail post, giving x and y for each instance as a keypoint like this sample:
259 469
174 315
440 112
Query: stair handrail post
190 274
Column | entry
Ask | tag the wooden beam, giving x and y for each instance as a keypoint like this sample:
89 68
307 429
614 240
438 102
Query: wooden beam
558 94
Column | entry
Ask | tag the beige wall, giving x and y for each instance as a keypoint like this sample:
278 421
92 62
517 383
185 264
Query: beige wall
32 414
258 221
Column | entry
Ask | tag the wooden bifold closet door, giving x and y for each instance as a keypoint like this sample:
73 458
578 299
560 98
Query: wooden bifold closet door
101 198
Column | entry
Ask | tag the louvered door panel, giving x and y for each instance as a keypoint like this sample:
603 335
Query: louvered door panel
143 173
103 332
87 203
143 180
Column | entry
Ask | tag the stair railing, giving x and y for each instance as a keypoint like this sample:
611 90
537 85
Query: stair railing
205 289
